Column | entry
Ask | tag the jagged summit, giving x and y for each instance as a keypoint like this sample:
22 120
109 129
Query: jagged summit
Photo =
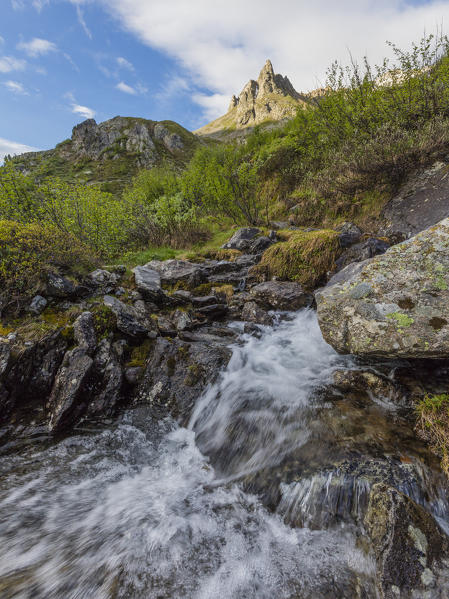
271 97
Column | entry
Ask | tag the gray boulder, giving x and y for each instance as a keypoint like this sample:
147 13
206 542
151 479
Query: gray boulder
281 295
148 283
107 380
253 313
397 305
130 320
84 332
37 305
241 239
362 251
175 271
59 286
349 234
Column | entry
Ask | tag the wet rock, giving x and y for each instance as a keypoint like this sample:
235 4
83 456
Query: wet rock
59 286
281 295
409 546
70 391
84 332
253 313
362 251
38 304
397 305
184 297
252 329
204 300
177 372
213 311
129 320
369 382
133 375
247 260
107 378
148 283
241 238
182 320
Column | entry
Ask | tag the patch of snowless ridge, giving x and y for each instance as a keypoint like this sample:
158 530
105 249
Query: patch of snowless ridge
136 512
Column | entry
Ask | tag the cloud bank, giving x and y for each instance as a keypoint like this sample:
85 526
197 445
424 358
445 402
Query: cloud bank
12 148
223 44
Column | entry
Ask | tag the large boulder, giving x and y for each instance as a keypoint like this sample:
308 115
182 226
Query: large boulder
175 271
420 203
148 283
241 240
281 295
395 305
130 320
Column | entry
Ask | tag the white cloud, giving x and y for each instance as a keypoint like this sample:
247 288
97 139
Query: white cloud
127 89
39 4
12 148
125 64
9 63
15 87
37 47
83 111
223 45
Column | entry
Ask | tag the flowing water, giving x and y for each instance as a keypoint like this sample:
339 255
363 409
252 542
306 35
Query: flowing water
253 499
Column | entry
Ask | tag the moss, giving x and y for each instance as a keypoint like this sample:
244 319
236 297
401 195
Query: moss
5 330
139 355
105 320
194 373
402 320
433 424
305 257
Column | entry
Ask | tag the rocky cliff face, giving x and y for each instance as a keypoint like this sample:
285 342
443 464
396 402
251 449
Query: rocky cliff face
271 97
113 151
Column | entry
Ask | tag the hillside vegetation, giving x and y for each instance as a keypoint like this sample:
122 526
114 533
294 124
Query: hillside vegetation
342 157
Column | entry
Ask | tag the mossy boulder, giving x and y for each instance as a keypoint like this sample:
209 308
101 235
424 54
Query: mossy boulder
394 305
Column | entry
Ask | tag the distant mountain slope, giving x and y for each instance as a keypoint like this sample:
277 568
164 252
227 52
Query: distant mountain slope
271 98
112 152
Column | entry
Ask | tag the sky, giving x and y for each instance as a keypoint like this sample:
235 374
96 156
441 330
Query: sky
62 61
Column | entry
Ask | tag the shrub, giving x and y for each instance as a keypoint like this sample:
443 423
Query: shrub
305 257
433 424
28 252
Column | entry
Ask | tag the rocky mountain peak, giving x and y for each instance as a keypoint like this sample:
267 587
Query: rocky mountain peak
271 97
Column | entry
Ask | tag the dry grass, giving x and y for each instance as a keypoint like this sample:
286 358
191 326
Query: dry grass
305 257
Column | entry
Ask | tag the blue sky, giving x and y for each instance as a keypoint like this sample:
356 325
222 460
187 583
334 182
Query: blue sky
62 61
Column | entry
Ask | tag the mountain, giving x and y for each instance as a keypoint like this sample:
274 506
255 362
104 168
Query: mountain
271 98
111 153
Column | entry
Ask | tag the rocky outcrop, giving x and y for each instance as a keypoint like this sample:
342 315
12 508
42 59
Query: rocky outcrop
281 295
271 97
395 305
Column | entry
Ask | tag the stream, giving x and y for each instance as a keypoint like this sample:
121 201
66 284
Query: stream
261 495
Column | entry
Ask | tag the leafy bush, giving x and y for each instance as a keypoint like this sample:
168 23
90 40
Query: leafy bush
28 252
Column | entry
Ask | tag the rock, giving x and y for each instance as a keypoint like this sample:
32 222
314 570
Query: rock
408 545
133 375
280 224
252 313
213 311
178 371
375 385
148 283
281 295
107 379
38 304
182 320
84 332
397 305
166 327
103 279
70 391
349 234
184 297
420 203
347 273
241 238
259 245
362 251
59 287
129 320
175 271
204 300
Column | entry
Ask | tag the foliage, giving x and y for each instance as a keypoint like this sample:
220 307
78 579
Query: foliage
29 251
433 424
305 257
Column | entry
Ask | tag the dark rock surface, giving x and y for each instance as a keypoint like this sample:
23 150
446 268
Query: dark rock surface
281 295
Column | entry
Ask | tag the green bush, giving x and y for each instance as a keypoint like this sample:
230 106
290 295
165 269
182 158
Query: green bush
28 252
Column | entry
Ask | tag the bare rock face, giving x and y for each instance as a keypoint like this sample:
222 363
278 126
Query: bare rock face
394 305
271 97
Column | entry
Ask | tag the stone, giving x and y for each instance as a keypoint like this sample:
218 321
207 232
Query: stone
148 283
129 320
133 375
178 371
175 271
84 332
259 245
107 380
182 320
362 251
396 305
409 547
70 390
241 238
103 278
281 295
59 286
213 311
349 234
421 202
37 305
253 313
375 385
166 327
